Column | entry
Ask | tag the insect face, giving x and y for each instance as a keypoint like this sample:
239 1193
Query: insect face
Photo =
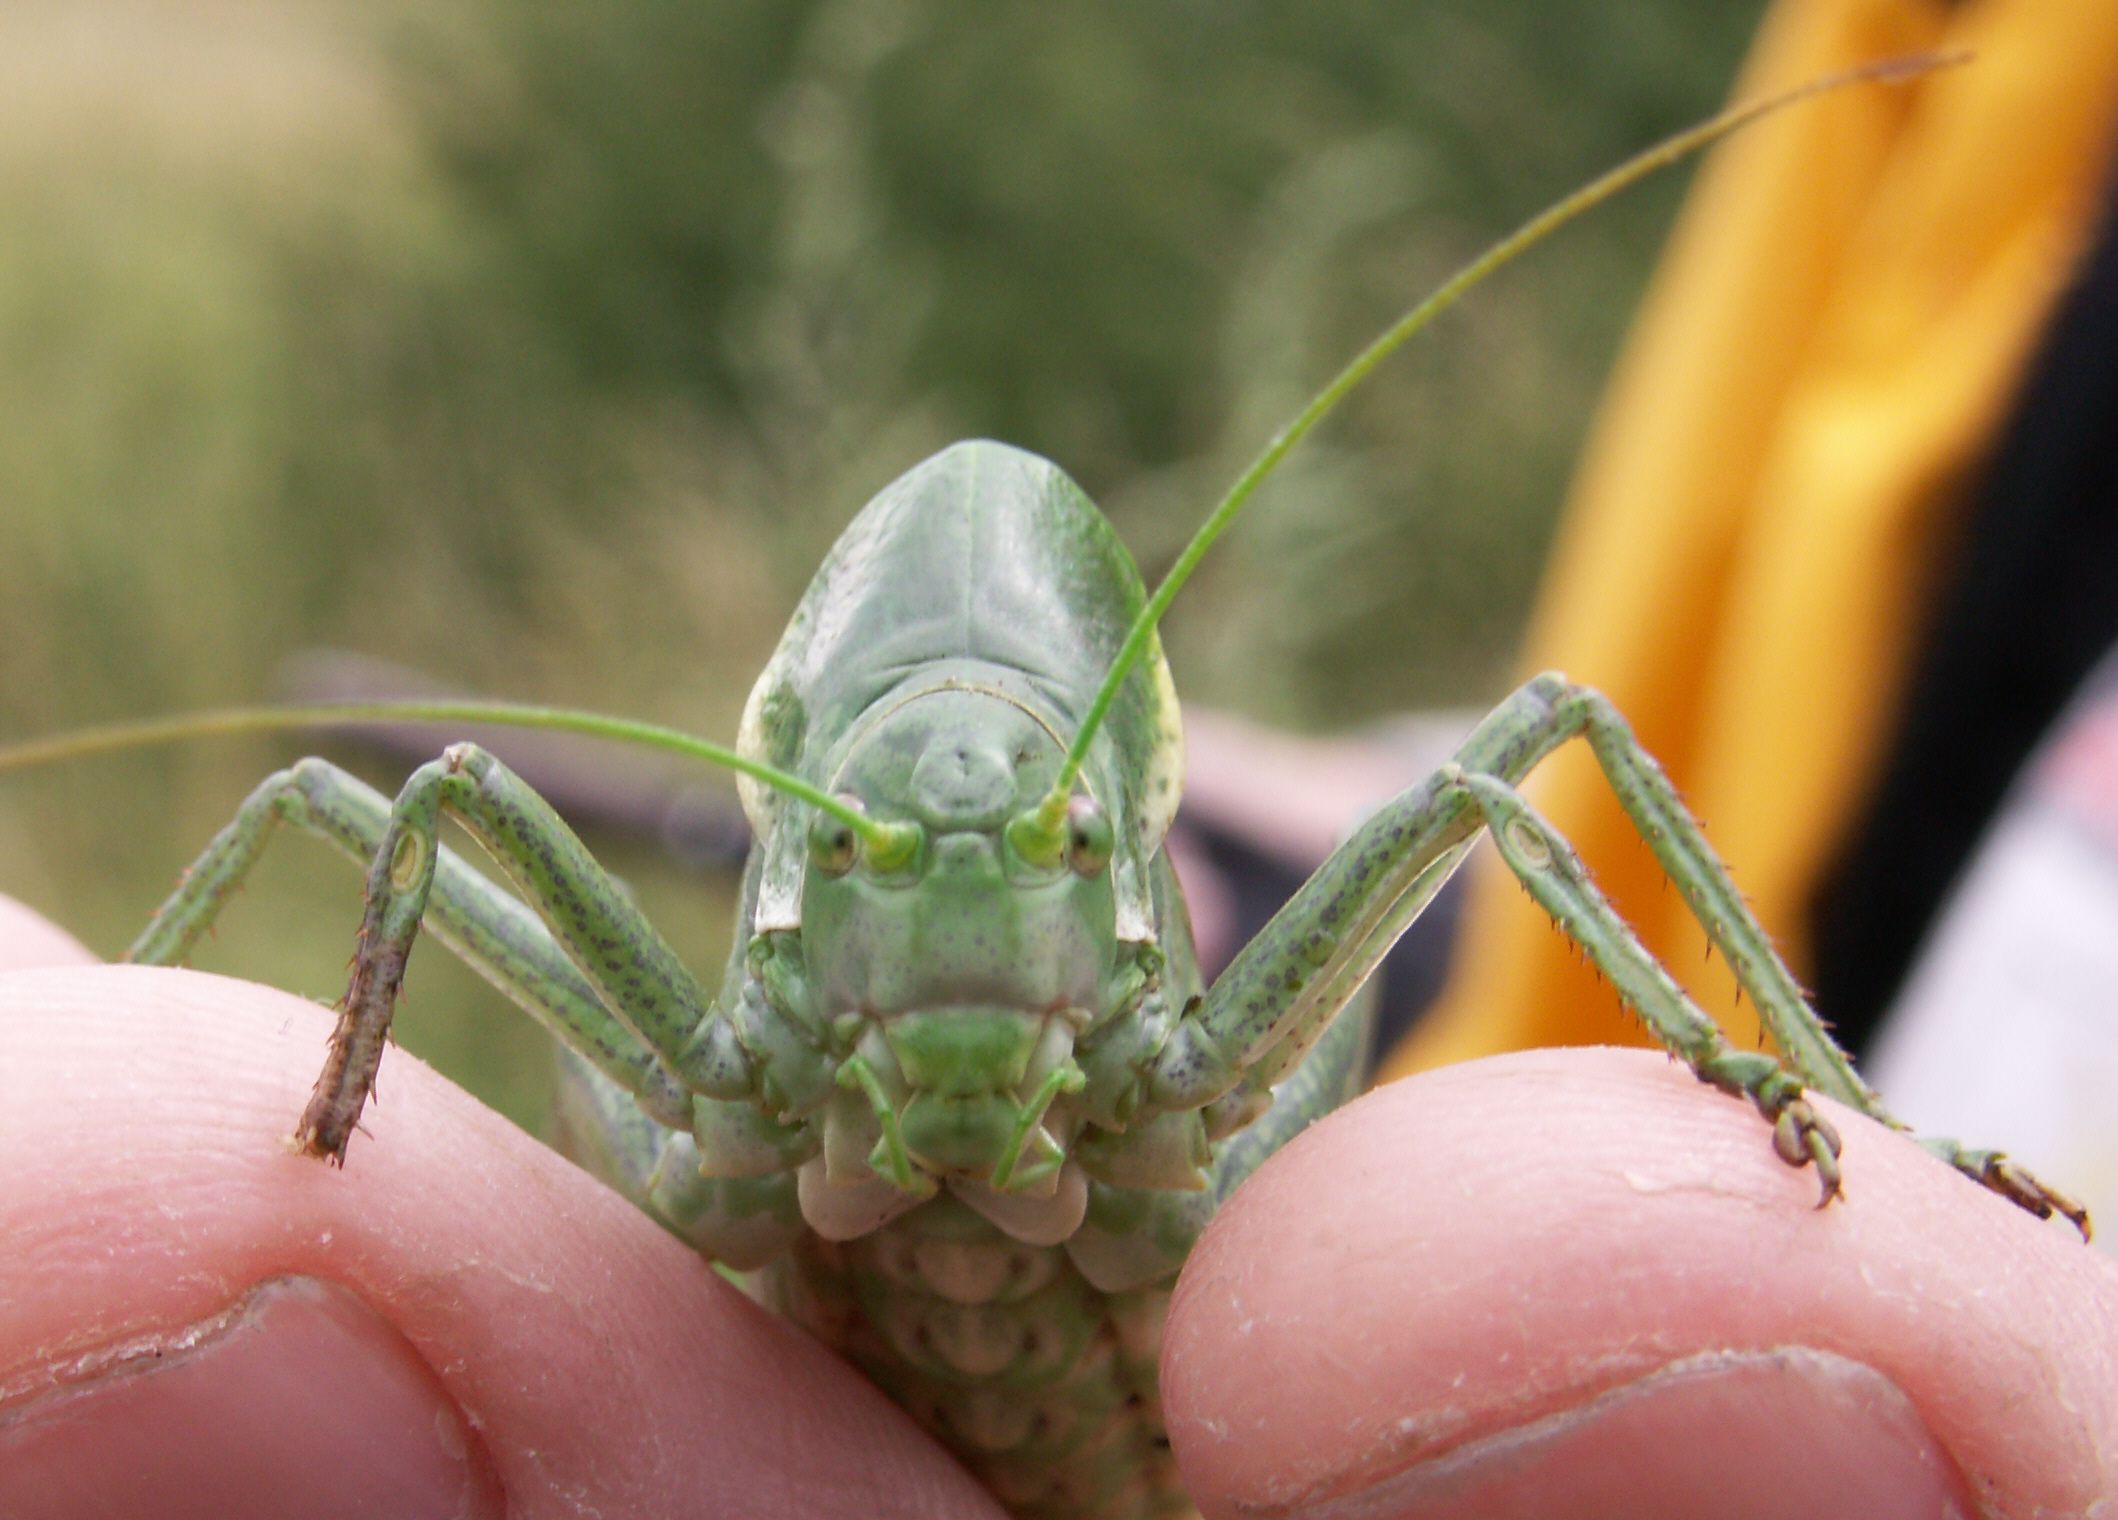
963 972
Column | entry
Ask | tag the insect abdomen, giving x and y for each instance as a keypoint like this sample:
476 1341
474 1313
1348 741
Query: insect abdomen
1041 1383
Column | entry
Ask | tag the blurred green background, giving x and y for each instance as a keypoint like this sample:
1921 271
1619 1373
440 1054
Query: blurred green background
547 346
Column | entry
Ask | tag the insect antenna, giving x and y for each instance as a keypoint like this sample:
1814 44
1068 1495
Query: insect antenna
1045 823
881 838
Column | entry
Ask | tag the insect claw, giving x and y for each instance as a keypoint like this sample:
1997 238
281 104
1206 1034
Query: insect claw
2025 1191
308 1141
1803 1137
1827 1171
1787 1142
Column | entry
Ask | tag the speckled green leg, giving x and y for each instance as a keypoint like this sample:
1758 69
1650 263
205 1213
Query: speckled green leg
1272 1002
1555 877
1329 1077
632 969
493 932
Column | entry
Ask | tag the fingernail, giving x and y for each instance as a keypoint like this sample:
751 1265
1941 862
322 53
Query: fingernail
299 1400
1791 1432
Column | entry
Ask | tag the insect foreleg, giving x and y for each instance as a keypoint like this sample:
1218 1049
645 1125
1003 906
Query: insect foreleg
493 933
1678 842
1553 874
1279 993
594 971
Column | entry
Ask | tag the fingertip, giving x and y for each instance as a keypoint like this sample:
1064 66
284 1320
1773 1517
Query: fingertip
28 938
144 1116
1465 1254
299 1388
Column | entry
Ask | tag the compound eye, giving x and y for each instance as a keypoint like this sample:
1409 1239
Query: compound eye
833 846
1088 837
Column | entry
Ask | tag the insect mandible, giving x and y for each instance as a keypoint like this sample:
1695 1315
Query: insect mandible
961 1074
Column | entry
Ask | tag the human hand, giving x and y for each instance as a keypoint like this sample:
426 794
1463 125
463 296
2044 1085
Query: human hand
196 1322
1575 1224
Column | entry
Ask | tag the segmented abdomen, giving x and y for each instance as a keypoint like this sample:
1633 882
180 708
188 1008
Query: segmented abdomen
1043 1385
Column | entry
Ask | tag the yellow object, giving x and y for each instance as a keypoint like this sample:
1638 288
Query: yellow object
1838 328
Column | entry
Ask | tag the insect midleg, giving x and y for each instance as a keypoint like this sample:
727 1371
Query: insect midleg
1275 998
1553 874
740 1222
577 997
1330 1075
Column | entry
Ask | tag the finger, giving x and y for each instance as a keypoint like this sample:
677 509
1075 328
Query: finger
456 1320
27 938
1579 1282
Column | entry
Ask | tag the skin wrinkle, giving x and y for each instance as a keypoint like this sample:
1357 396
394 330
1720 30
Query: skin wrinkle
144 1352
58 1367
131 1418
1435 1474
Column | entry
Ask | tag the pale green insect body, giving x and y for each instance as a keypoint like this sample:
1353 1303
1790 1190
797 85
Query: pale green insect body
973 1187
